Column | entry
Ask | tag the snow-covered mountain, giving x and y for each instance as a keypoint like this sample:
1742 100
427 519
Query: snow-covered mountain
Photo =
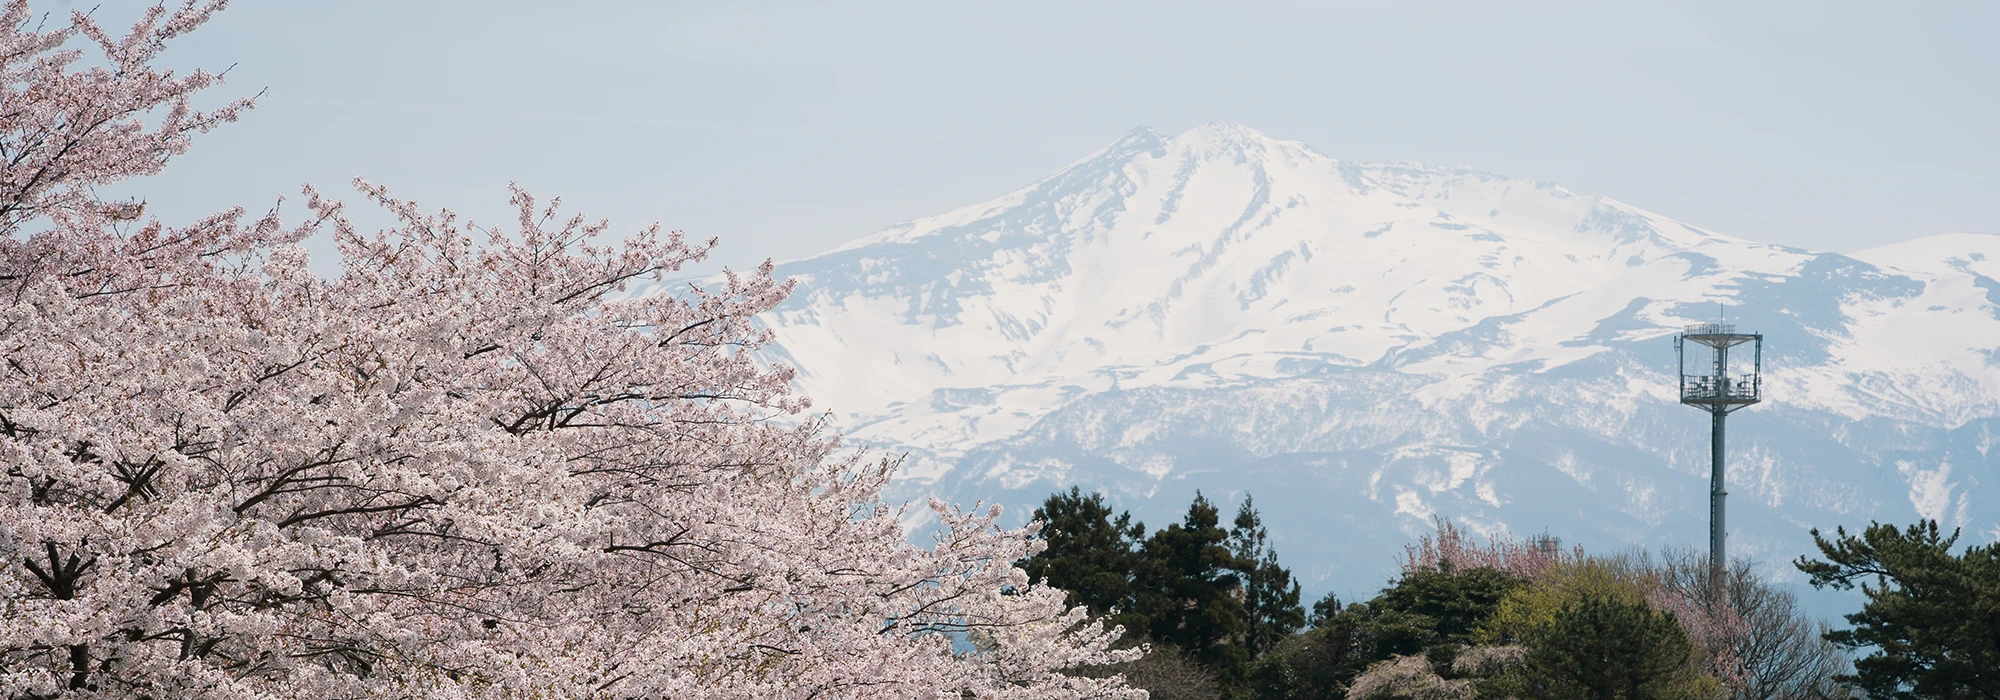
1365 345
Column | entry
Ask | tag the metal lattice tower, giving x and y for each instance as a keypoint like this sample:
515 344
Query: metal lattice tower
1711 388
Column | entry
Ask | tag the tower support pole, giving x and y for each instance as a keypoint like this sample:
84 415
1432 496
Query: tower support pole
1718 529
1717 520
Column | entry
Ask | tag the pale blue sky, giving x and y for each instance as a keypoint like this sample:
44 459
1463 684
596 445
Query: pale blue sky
789 128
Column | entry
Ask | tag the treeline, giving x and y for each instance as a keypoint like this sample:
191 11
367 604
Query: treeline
1522 619
1213 595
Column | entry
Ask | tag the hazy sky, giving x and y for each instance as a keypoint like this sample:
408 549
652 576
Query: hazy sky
789 128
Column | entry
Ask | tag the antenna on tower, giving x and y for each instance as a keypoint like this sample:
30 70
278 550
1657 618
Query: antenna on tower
1711 388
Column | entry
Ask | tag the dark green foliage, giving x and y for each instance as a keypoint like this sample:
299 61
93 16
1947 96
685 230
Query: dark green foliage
1444 605
1932 619
1607 649
1188 589
1324 611
1270 596
1318 663
1216 593
1427 612
1090 554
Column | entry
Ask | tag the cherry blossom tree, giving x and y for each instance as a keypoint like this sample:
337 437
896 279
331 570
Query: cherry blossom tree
1453 547
475 463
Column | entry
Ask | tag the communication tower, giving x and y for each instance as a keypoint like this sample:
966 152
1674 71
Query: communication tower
1709 386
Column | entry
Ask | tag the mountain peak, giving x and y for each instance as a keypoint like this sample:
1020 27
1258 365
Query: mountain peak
1225 129
1225 136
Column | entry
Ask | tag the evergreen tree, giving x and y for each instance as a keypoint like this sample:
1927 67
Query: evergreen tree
1090 553
1188 589
1438 606
1324 611
1426 612
1608 649
1318 663
1932 619
1270 596
1216 593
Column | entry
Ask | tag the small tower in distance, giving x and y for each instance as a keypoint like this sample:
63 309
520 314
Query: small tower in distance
1707 384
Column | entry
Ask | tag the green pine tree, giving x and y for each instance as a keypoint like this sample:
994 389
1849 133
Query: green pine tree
1441 607
1188 589
1932 619
1270 596
1607 649
1091 554
1216 593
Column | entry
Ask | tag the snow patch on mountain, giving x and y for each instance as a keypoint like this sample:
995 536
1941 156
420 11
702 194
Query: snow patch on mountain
1365 345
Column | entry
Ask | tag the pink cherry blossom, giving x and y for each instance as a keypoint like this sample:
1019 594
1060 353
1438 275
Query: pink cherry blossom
1455 548
473 464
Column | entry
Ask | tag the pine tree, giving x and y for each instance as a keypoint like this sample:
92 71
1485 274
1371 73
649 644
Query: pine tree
1427 612
1188 589
1932 619
1608 649
1270 596
1447 604
1216 593
1090 553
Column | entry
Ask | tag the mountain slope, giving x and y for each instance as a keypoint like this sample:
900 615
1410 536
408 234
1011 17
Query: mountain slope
1364 346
